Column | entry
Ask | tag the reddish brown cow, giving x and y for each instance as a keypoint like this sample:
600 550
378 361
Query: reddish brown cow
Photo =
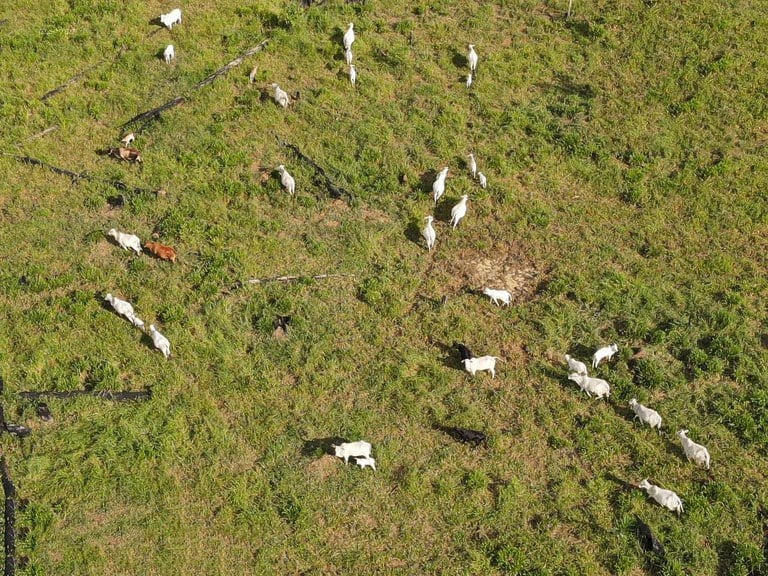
161 251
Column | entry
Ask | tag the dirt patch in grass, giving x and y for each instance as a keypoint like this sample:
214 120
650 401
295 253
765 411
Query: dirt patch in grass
501 268
324 467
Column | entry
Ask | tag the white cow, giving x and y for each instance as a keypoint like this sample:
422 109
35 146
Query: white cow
173 17
646 415
498 295
126 241
596 386
429 233
124 309
576 366
472 58
696 452
438 186
459 211
281 96
161 342
665 497
287 180
349 37
605 353
349 450
480 364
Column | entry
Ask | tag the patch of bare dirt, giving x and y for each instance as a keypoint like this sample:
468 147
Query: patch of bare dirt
499 268
324 467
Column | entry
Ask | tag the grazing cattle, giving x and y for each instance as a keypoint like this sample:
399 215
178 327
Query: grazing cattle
126 241
472 165
464 352
161 342
429 233
281 96
349 450
127 154
497 296
480 364
169 53
363 462
596 386
161 251
459 211
287 180
464 434
576 366
124 309
469 80
349 37
604 353
696 452
438 186
646 415
472 58
482 179
665 497
348 56
352 74
173 17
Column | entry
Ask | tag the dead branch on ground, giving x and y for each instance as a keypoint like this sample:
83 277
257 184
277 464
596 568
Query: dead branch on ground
155 112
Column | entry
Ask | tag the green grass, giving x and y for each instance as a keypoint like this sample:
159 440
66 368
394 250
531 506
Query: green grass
624 151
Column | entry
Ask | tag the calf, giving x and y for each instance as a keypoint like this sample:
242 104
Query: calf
363 462
173 17
605 353
124 309
126 241
169 53
160 341
348 450
481 364
646 415
696 452
161 251
596 386
498 295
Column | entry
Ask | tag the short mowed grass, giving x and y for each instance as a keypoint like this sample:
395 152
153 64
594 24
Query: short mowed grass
625 155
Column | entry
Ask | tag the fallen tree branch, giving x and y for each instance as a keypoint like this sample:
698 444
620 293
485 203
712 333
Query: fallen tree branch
118 396
289 278
79 75
44 132
334 190
10 518
155 112
76 176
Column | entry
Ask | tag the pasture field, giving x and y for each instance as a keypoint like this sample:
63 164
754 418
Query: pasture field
625 150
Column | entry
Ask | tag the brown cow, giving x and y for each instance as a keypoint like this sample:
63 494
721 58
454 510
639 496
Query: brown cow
161 251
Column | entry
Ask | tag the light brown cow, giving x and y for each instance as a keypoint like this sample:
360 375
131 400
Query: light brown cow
161 251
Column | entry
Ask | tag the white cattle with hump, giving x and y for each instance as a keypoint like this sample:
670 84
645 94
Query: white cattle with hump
481 364
348 450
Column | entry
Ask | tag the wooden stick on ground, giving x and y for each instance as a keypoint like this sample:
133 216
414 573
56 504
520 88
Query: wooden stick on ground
289 278
334 190
76 176
10 518
119 396
155 112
